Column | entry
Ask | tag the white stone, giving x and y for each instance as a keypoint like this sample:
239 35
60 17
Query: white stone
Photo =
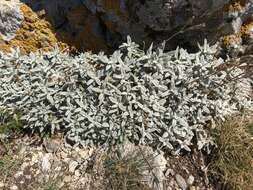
18 174
11 18
22 150
45 163
14 187
1 184
78 173
190 180
67 178
72 166
169 172
181 182
28 176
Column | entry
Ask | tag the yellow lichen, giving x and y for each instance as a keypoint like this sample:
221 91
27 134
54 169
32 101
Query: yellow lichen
235 5
231 40
247 30
34 34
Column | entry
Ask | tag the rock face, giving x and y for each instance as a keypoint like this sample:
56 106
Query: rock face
103 24
23 28
11 18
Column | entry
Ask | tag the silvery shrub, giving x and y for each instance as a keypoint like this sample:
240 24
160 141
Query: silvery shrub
149 97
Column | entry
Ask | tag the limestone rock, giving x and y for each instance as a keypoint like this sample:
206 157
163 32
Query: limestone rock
33 34
72 166
190 180
181 182
11 18
103 24
74 22
45 162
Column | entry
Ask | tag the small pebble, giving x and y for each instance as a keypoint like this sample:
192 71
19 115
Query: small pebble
1 184
28 176
190 180
169 172
20 173
77 173
14 187
45 163
181 182
72 166
67 178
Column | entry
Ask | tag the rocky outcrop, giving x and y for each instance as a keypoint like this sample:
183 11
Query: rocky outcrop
103 24
11 18
24 29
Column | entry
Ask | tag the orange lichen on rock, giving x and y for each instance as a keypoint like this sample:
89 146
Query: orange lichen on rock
247 30
244 36
235 6
232 40
34 34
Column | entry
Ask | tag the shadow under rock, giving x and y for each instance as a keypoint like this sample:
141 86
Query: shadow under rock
73 24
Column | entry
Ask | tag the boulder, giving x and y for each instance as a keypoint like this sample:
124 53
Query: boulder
11 18
24 29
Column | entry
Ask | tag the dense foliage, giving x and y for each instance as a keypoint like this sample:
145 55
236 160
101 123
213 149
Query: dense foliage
148 97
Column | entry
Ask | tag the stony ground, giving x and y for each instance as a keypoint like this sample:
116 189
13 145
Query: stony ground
29 163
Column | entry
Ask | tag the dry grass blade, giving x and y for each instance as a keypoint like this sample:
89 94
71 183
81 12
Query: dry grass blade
232 163
128 171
